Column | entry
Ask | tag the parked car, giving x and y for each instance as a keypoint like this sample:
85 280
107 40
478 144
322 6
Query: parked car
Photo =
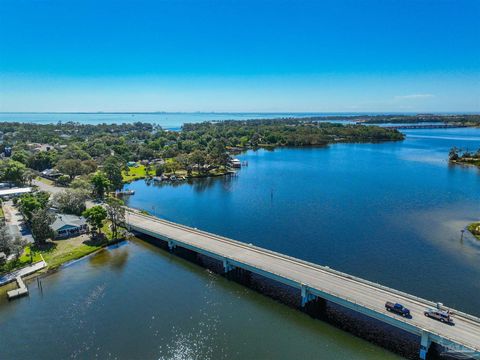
444 316
397 309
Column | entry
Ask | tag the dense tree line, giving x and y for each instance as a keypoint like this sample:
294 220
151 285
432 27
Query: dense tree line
81 149
284 132
464 119
465 156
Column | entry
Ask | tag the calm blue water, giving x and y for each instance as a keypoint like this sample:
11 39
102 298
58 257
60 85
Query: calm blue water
389 212
139 302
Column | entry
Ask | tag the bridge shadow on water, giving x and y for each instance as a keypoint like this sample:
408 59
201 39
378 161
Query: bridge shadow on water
387 336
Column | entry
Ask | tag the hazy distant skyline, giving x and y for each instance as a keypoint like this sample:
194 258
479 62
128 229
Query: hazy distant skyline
240 56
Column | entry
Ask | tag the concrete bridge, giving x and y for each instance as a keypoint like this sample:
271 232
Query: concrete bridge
320 282
426 126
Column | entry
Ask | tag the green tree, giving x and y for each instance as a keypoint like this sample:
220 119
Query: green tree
100 184
42 160
82 184
159 169
113 170
148 170
89 166
116 214
29 175
12 171
74 152
70 201
21 156
10 245
172 166
184 162
217 153
95 217
40 225
63 180
5 239
454 153
70 167
199 158
17 245
29 203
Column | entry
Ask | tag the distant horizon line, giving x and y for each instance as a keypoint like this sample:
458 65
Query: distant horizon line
252 112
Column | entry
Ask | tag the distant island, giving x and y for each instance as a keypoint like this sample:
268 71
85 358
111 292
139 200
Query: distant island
454 119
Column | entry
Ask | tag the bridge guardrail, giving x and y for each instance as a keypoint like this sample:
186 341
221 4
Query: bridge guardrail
332 294
307 263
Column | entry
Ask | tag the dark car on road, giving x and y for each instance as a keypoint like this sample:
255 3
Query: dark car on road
397 309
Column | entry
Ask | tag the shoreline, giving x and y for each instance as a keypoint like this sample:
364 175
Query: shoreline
471 228
464 163
239 151
50 270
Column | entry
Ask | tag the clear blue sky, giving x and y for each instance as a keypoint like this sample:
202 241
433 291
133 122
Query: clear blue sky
192 55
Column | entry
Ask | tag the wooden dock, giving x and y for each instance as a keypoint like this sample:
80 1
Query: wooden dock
21 291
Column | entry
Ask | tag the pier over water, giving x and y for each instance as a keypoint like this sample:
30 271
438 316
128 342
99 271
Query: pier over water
317 282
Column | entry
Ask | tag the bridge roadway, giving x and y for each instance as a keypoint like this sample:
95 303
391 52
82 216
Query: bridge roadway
319 281
420 126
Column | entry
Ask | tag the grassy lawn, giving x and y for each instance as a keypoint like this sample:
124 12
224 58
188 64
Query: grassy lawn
57 252
22 261
2 215
45 181
136 173
61 251
475 229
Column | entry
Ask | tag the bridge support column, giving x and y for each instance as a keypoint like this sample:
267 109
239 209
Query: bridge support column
171 245
227 267
306 295
425 343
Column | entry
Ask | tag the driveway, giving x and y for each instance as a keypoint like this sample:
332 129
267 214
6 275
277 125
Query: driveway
47 188
14 222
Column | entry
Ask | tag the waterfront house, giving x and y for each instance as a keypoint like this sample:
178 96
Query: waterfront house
236 163
66 226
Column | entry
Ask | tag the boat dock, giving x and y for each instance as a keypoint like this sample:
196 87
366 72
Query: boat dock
21 291
17 276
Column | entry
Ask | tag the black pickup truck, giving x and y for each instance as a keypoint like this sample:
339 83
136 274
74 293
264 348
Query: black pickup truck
397 308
